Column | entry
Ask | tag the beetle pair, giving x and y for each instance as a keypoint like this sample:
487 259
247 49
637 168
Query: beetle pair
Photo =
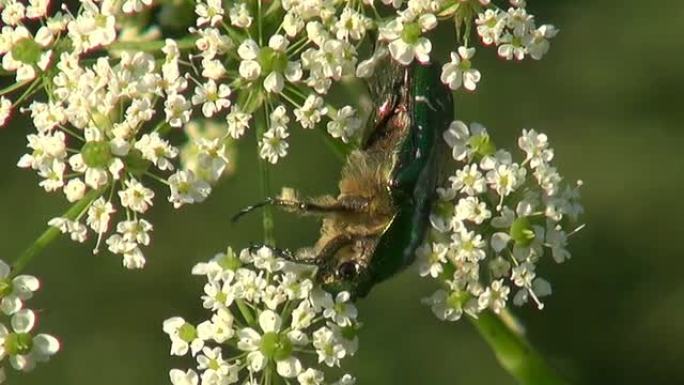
371 230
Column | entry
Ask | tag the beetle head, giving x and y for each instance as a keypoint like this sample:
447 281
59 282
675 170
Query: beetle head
349 269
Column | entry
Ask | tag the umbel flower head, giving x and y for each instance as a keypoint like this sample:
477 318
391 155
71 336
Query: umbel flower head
496 219
18 341
268 321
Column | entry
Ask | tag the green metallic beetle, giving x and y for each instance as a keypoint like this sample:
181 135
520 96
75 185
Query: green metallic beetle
371 230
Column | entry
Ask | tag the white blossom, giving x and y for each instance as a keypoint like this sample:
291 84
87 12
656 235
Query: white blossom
273 345
494 223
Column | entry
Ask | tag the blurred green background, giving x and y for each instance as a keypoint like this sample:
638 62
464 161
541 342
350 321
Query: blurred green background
609 96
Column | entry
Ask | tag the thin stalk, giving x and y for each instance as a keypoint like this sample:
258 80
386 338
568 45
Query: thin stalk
513 351
51 233
246 313
264 173
12 87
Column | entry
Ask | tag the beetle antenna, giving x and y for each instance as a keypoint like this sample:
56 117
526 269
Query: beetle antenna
249 209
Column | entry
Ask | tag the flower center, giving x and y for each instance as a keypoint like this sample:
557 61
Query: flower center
18 343
272 60
230 261
275 346
482 144
5 288
187 332
96 154
456 300
521 231
411 33
26 51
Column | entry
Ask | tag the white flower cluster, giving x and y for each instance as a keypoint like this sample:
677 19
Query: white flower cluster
96 136
22 349
279 70
513 31
269 320
94 133
494 222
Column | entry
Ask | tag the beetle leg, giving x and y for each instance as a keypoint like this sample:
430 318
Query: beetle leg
323 205
314 206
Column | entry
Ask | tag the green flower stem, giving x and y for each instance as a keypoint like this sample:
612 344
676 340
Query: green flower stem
153 45
264 172
13 87
513 351
246 313
51 233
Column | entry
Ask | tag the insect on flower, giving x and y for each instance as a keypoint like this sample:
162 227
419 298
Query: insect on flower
371 230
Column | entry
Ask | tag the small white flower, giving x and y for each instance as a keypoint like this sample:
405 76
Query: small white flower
431 258
16 290
187 188
537 41
405 40
239 15
471 209
504 179
459 71
344 124
25 350
465 141
512 47
495 296
184 336
536 146
468 180
238 122
328 348
273 146
445 306
342 312
177 110
209 11
212 98
467 246
135 196
490 26
99 214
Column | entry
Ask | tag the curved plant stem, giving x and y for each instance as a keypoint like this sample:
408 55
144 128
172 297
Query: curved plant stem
513 351
51 233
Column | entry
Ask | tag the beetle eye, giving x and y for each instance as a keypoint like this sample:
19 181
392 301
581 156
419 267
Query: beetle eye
347 270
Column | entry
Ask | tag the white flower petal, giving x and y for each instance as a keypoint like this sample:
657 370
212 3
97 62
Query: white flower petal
23 321
289 368
269 321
